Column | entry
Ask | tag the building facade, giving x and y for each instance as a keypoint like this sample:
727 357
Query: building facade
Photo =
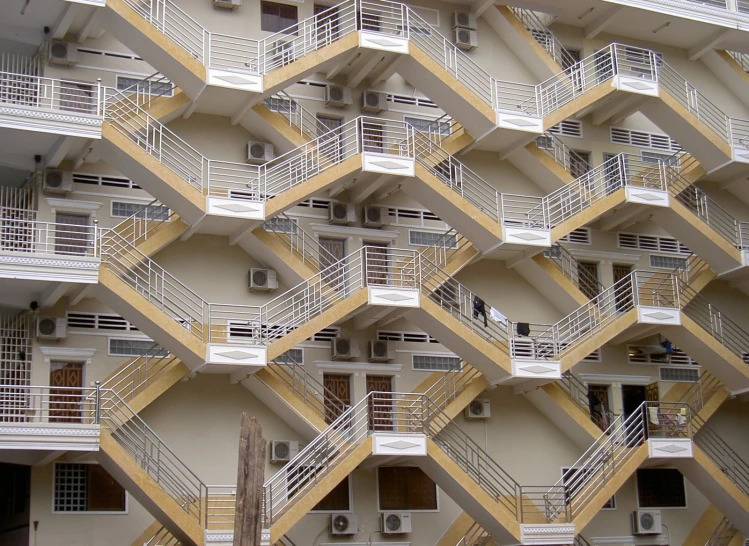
479 270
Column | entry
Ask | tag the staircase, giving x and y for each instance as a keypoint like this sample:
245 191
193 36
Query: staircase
720 474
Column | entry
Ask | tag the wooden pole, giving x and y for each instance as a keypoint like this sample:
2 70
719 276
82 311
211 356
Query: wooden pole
248 522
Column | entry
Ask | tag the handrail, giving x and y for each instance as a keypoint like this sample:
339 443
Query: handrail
74 98
136 227
578 393
390 412
563 155
448 245
723 534
640 287
699 392
134 376
30 236
299 118
724 457
570 267
616 446
533 24
300 243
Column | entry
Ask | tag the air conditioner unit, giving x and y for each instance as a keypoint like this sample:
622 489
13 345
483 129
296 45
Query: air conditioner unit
338 96
57 181
479 409
343 524
396 523
345 348
341 214
227 4
466 39
259 152
63 53
372 217
282 451
263 279
51 328
646 522
374 101
464 19
381 351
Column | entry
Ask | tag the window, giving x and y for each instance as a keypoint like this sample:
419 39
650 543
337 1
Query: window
98 321
292 356
280 224
161 88
667 262
100 180
277 17
284 106
86 488
660 488
435 363
430 238
338 500
642 139
326 334
568 128
579 236
655 243
569 474
654 157
420 124
405 488
410 337
121 209
135 347
679 375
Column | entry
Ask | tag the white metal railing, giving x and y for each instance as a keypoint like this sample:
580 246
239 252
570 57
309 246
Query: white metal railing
549 342
137 227
39 93
578 392
34 237
538 29
137 374
390 412
299 118
613 449
562 154
697 395
476 536
741 58
162 537
723 534
570 267
299 243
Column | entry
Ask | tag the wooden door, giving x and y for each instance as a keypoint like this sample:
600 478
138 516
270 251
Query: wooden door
332 252
373 137
380 410
331 142
65 381
337 395
624 289
72 234
376 263
587 275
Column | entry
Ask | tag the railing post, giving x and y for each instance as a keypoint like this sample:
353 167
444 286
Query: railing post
97 403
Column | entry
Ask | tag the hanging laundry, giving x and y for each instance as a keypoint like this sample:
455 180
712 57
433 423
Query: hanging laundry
653 415
496 316
479 309
524 329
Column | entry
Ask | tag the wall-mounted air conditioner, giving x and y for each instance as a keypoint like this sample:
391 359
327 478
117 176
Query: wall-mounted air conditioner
381 351
372 217
479 409
227 4
343 524
466 39
341 214
337 96
259 152
345 348
282 451
646 522
396 523
464 19
63 53
51 328
56 181
374 101
263 279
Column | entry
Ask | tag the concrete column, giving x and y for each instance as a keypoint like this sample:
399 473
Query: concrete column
606 273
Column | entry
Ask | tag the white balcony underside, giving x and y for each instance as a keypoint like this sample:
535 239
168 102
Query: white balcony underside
35 443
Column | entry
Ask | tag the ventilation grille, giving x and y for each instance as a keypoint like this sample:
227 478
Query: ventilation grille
568 128
643 139
654 243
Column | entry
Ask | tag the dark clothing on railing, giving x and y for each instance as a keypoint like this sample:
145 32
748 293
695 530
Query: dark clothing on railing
479 309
